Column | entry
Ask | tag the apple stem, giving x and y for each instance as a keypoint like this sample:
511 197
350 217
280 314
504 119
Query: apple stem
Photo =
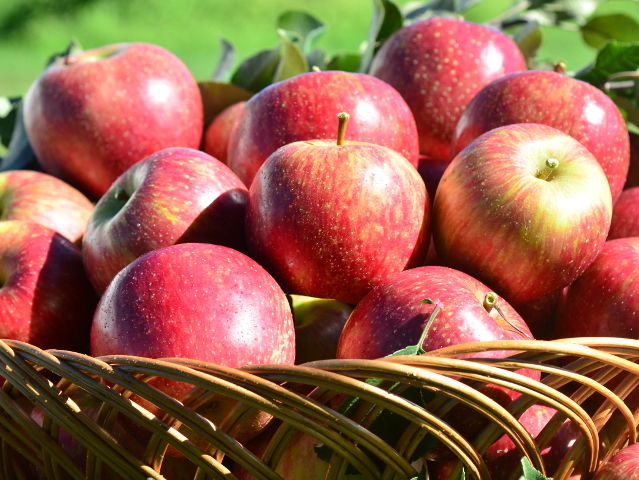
431 319
316 68
121 195
551 166
560 67
490 301
341 127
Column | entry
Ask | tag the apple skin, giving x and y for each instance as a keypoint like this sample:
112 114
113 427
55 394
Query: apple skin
90 116
333 221
218 134
31 196
438 65
623 465
625 215
46 298
177 195
318 325
603 302
577 108
296 109
431 170
495 219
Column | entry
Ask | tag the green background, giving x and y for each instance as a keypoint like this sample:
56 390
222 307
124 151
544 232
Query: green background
31 30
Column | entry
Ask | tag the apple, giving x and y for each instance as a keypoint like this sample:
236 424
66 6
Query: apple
604 300
632 180
333 220
318 325
524 208
577 108
177 195
296 109
218 133
431 170
198 301
438 65
41 198
623 465
625 215
92 115
539 315
46 298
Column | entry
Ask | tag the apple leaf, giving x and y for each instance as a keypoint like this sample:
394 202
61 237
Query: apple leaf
613 58
73 49
601 29
8 114
257 71
530 473
216 96
529 39
19 152
292 60
225 62
413 11
417 349
307 28
423 474
347 62
316 58
387 18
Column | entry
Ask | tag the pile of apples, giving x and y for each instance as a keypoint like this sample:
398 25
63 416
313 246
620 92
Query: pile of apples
450 172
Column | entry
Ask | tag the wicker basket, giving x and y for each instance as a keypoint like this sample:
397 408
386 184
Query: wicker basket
50 380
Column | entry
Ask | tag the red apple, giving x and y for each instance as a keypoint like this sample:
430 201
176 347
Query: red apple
524 208
625 215
431 170
632 180
41 198
604 301
177 195
333 220
577 108
539 315
318 325
90 116
197 301
218 133
624 465
46 298
438 65
296 109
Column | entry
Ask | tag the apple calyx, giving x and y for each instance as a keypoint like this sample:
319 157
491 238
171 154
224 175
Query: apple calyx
341 127
121 195
551 166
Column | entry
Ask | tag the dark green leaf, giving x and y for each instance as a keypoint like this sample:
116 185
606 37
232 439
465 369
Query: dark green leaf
613 58
413 11
412 350
292 60
317 58
306 27
386 20
427 301
73 49
225 61
347 62
19 153
530 473
529 39
257 71
8 115
601 29
216 96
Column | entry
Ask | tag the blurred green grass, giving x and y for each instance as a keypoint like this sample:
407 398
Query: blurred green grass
191 29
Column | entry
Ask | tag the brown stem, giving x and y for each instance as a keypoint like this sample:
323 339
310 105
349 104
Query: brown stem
341 127
551 166
560 67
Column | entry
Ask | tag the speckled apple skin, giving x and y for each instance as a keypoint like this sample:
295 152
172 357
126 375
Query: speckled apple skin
625 215
89 120
45 296
392 316
622 466
177 195
333 221
438 65
41 198
579 109
198 301
305 107
521 235
218 133
604 301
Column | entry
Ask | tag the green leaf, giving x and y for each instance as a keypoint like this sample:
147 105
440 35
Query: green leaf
317 58
613 58
73 48
347 62
306 27
225 61
530 473
19 153
529 39
387 19
601 29
8 115
257 71
416 10
216 96
292 60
